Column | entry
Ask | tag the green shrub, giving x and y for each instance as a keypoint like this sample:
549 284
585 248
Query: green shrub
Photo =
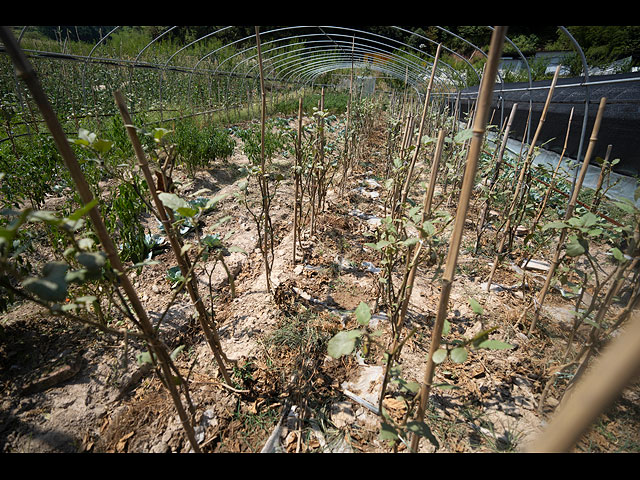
122 218
31 167
197 146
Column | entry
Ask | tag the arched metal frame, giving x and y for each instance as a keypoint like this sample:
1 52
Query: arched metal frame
296 59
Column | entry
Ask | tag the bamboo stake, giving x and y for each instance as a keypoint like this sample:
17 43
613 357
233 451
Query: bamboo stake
543 206
298 161
407 287
26 72
569 213
596 196
553 176
346 160
182 259
523 172
496 172
479 127
503 145
434 173
421 128
613 371
263 180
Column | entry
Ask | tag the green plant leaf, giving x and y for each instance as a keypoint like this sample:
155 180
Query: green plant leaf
475 306
627 206
494 345
428 228
44 216
445 386
556 224
102 146
176 352
86 243
446 328
410 241
387 433
422 430
463 135
412 387
363 313
459 354
212 241
439 355
589 219
158 133
617 254
52 286
144 357
576 246
78 276
172 201
343 343
481 336
93 261
82 211
188 212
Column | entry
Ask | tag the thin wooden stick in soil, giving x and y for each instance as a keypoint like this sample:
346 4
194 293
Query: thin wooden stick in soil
182 259
614 370
495 174
569 213
479 127
425 110
523 173
28 75
263 179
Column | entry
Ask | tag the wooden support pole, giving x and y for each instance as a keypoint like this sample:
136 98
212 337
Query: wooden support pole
611 373
569 213
479 127
296 176
425 110
428 198
523 173
182 259
26 72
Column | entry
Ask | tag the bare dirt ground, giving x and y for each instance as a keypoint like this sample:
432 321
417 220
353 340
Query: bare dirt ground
67 388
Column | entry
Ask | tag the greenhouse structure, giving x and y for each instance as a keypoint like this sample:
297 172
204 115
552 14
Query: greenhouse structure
324 239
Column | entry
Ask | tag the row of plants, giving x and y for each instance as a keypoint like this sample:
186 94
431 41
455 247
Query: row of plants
88 283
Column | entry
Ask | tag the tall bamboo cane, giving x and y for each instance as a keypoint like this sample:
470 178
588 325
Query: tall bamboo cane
428 199
347 136
570 208
211 335
427 97
614 370
553 176
267 240
523 173
412 266
496 173
605 166
479 127
545 200
26 72
296 176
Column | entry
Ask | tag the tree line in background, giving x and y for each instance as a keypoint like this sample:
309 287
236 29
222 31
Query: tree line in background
601 44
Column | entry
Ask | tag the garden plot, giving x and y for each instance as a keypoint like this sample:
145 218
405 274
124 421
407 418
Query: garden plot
82 392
